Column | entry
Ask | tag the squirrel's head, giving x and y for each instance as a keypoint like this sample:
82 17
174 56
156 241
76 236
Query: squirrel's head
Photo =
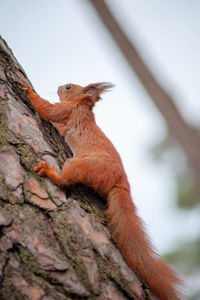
78 95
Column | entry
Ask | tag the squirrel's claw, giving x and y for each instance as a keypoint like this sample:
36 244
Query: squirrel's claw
24 86
42 167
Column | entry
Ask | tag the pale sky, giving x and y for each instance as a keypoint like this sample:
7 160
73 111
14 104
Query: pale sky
63 41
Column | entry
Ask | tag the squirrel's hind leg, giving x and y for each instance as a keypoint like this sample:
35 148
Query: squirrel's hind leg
79 170
43 169
74 171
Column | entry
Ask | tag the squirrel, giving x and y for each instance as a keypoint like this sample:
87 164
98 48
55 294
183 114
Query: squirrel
97 164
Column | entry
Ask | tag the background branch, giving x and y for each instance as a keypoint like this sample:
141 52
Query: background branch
187 136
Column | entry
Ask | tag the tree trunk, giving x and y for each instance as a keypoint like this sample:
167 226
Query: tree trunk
187 136
53 243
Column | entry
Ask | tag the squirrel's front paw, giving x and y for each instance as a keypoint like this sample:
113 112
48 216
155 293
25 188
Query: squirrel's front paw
43 168
24 86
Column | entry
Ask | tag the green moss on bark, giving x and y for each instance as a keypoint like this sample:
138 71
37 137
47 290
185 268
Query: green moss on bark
70 242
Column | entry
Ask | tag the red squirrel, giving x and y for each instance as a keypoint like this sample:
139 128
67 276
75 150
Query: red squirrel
97 164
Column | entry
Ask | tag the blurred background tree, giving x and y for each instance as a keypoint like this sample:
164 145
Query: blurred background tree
181 144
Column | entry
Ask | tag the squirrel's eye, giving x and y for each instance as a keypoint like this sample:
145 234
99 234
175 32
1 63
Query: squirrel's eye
68 87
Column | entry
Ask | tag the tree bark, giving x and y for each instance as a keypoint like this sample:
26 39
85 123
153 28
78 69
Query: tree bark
187 136
53 243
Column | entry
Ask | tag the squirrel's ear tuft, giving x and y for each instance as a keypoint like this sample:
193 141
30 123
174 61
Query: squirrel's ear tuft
95 89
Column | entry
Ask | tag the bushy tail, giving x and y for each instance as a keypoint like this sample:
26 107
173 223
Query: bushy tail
130 236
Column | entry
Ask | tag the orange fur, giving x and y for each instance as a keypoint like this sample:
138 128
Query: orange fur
97 164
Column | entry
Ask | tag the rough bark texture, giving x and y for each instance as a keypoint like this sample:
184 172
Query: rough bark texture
53 243
187 136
